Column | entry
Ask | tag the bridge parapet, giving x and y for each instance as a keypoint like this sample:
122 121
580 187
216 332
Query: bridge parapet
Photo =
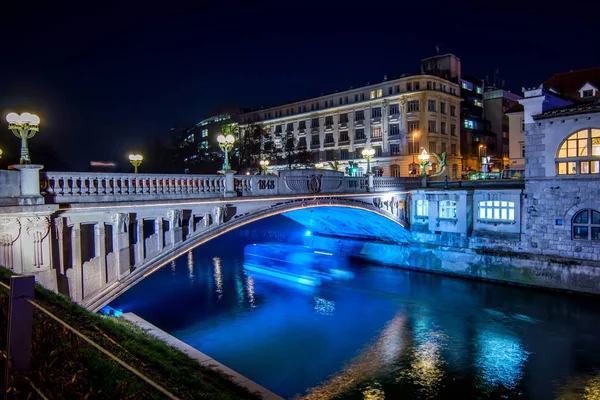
89 187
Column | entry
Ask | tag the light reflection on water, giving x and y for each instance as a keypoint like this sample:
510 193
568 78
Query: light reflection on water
388 333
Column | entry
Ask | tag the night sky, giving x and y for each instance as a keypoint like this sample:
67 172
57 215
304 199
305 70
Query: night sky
104 77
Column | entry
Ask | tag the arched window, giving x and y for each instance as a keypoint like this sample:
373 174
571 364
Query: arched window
586 225
579 153
395 170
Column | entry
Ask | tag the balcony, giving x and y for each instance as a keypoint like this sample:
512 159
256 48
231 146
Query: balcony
394 117
359 122
376 121
328 128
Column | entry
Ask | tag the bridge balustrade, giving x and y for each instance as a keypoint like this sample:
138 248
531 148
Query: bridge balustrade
78 187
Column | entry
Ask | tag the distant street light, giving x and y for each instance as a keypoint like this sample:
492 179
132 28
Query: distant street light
136 161
414 138
226 144
481 146
23 126
0 153
264 164
368 154
423 160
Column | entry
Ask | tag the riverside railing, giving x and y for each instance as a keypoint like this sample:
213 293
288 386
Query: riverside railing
34 366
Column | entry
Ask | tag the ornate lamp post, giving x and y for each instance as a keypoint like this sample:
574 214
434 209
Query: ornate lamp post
136 161
226 144
368 154
423 160
23 126
264 164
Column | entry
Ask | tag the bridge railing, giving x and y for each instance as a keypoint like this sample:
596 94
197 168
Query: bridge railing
91 187
81 187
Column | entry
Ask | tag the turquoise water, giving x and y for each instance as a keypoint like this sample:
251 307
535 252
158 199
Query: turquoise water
387 333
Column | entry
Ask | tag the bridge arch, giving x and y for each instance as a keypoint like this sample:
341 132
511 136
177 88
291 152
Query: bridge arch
388 225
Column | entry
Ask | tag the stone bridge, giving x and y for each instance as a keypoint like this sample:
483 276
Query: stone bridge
91 236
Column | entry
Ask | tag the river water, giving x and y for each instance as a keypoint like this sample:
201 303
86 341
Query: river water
386 334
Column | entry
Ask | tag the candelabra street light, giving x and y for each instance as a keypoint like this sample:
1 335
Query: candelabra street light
136 161
226 144
23 126
368 154
264 164
423 160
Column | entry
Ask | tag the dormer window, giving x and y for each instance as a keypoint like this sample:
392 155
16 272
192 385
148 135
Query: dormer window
588 91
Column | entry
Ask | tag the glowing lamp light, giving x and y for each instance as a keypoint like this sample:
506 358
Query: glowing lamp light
264 164
136 161
307 233
423 160
226 144
24 127
368 154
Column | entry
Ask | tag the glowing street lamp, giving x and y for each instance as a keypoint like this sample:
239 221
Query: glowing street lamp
319 165
23 126
264 164
226 144
0 153
423 160
136 161
368 154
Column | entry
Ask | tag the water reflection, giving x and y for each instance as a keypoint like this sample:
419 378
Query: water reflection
190 264
500 359
425 370
218 277
372 361
387 333
250 289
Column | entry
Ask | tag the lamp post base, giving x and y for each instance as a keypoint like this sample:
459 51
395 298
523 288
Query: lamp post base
30 183
229 182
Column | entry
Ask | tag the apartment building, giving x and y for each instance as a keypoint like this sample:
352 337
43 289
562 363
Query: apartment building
397 118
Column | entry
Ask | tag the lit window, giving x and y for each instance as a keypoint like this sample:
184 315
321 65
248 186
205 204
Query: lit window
204 132
579 153
447 209
373 94
376 132
478 103
586 225
497 210
479 90
379 92
422 208
469 124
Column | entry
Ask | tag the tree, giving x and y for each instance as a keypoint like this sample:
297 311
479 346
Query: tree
250 146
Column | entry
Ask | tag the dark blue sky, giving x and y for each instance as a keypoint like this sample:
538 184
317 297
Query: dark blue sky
105 76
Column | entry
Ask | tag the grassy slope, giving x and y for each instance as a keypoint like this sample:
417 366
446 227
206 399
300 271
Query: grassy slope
66 367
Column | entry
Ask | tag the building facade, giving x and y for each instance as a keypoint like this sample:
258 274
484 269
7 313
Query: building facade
562 152
397 118
496 104
516 137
